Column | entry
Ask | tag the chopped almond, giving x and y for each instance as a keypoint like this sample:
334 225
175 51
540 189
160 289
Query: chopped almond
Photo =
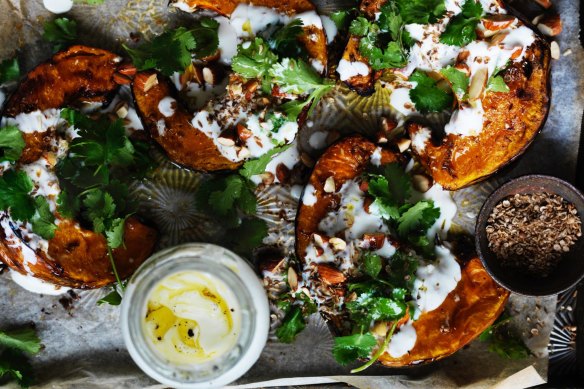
330 275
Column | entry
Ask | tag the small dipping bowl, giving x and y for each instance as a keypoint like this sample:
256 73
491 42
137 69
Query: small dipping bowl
194 284
568 272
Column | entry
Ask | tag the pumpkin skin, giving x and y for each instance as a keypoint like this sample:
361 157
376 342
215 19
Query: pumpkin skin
512 120
466 312
77 257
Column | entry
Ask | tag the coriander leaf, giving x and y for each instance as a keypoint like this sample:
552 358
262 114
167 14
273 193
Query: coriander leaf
258 166
295 76
43 220
391 57
247 201
115 233
222 200
371 264
427 96
418 218
24 339
360 26
172 51
384 204
399 183
340 18
15 364
67 204
249 235
350 348
11 143
503 341
253 59
461 30
14 195
60 32
367 309
458 80
9 70
497 84
277 121
284 42
99 207
112 298
291 326
402 270
421 11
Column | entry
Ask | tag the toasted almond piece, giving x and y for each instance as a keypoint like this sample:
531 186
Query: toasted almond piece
267 178
122 111
364 186
421 182
550 24
463 67
318 240
337 244
366 204
226 141
243 133
380 329
544 3
375 240
122 79
209 76
329 185
235 89
292 278
477 84
555 50
244 153
497 22
537 19
517 52
381 137
330 275
272 266
128 70
388 124
403 144
145 82
498 38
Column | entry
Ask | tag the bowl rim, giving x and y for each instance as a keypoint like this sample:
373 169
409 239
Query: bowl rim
492 200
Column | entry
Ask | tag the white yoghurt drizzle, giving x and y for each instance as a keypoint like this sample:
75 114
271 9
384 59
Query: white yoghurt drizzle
247 20
263 139
434 279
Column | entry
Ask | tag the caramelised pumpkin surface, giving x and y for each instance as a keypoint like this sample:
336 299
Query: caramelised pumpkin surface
467 310
187 144
511 122
76 257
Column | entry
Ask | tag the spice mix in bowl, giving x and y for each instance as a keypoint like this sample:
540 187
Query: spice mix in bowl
529 235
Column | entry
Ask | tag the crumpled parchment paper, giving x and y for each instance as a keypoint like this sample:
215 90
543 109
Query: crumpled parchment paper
83 346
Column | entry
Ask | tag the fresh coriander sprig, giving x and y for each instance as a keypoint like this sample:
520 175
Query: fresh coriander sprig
9 70
173 50
11 144
61 32
427 96
94 178
461 30
13 360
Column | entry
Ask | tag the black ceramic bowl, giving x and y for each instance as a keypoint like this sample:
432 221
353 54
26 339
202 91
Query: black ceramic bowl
570 269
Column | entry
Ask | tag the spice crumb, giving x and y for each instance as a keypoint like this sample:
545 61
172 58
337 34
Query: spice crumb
532 232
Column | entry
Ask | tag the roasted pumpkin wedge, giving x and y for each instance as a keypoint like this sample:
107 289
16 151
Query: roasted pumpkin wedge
227 130
313 39
336 226
74 256
500 106
511 122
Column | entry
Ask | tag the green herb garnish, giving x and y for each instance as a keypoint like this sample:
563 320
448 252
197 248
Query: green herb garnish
11 143
13 360
461 30
173 50
61 32
427 96
503 341
9 70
